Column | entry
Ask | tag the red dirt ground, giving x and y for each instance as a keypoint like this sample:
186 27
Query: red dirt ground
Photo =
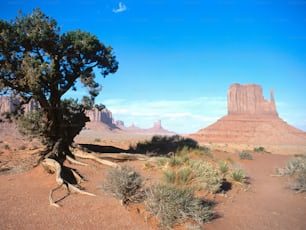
267 203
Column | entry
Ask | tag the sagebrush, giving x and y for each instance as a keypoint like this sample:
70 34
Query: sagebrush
125 184
296 169
171 205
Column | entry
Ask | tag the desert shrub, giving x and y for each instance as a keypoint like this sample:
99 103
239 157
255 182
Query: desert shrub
30 124
125 184
206 176
184 175
296 169
181 177
170 176
97 140
223 167
245 156
300 181
293 167
172 205
22 147
148 165
259 149
175 161
182 151
238 176
203 151
161 161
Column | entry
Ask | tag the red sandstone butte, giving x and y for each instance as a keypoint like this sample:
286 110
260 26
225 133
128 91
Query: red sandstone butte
251 119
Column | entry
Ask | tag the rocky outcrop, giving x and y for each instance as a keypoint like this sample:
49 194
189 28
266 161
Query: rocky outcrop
8 104
102 116
248 99
157 125
120 123
251 119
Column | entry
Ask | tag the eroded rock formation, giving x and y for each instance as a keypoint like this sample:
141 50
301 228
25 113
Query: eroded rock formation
102 116
251 119
248 99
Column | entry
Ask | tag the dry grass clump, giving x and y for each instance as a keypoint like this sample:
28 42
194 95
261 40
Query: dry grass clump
223 167
296 169
125 184
259 149
180 170
171 205
207 176
245 156
238 176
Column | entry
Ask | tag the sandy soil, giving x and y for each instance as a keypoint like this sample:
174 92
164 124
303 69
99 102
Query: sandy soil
267 203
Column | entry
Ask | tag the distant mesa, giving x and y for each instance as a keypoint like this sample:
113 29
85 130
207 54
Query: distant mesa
251 119
249 100
156 129
103 120
100 120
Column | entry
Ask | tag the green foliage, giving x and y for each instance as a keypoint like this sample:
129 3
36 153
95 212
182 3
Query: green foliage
97 140
175 161
180 177
203 151
238 176
223 167
245 156
170 176
173 205
31 124
185 175
207 176
161 162
182 151
125 184
259 149
38 62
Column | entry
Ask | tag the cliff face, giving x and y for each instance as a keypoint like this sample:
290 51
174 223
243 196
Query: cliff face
7 104
249 100
104 116
251 119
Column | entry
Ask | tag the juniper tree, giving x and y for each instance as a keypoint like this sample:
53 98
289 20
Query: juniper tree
39 62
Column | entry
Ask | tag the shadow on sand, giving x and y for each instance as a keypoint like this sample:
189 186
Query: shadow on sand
158 145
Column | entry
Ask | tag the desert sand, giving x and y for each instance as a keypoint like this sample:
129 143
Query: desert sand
266 203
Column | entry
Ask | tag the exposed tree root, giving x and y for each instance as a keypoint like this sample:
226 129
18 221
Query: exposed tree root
84 155
54 167
70 178
74 161
80 152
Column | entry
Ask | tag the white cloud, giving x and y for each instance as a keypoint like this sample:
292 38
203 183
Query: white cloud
182 116
121 8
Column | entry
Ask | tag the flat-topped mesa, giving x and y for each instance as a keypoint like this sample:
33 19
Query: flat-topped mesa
248 100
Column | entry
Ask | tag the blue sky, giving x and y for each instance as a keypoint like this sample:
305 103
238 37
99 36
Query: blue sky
177 59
